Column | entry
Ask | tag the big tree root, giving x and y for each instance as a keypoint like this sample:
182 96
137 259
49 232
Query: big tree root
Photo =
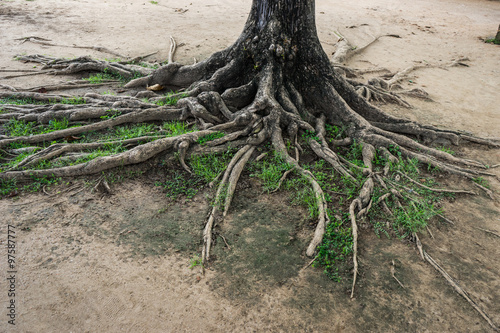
273 84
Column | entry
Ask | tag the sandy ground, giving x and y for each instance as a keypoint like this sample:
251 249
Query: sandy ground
77 273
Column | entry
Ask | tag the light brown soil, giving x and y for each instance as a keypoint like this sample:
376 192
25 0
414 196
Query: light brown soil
85 262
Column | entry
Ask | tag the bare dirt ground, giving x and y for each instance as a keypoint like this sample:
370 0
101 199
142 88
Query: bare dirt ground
87 263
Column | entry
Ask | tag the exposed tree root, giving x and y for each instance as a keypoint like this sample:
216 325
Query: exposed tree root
55 66
354 226
255 93
459 289
173 47
219 196
346 50
435 189
44 41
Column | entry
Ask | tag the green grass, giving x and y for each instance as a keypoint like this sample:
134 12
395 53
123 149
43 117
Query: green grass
25 101
334 132
19 101
270 170
111 114
72 100
180 184
308 135
12 163
209 166
420 206
175 128
195 261
170 98
335 248
492 41
7 186
10 186
446 150
98 78
210 137
133 131
106 75
23 128
481 181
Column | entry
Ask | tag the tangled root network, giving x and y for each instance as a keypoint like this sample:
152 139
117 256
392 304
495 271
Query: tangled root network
260 92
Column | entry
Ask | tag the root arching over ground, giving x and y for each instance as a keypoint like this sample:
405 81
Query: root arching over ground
274 84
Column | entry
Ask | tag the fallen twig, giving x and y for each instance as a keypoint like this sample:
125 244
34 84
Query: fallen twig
393 271
488 231
459 289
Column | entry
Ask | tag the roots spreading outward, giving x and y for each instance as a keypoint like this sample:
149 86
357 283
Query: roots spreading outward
270 86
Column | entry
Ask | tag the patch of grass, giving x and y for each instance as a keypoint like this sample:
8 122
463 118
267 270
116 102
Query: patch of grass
180 184
106 75
335 248
113 59
354 154
412 217
133 131
98 78
420 204
20 101
492 41
62 162
210 137
73 100
176 128
309 135
16 127
270 170
195 261
209 166
37 183
13 162
446 150
334 132
111 114
19 127
7 186
25 101
154 2
481 181
170 98
148 65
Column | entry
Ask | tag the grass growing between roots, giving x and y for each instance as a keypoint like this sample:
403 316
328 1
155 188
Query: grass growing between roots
27 101
418 206
10 187
9 161
98 78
